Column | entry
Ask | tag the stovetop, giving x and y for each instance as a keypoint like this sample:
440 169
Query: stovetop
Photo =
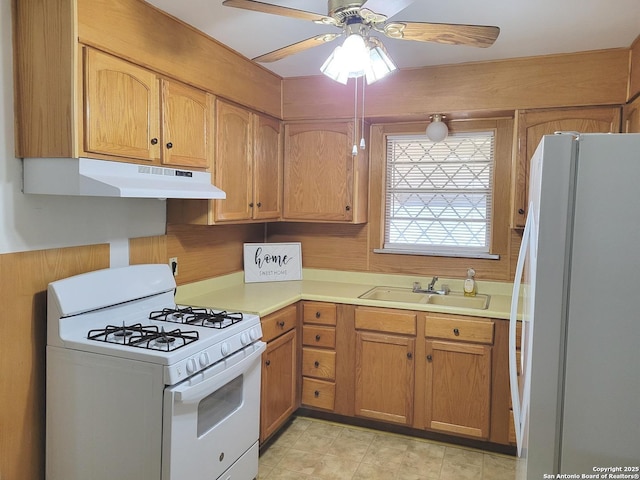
130 313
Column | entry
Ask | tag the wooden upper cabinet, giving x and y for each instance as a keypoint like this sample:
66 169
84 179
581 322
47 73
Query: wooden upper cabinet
267 168
534 124
322 180
186 125
233 168
247 166
124 105
631 117
121 114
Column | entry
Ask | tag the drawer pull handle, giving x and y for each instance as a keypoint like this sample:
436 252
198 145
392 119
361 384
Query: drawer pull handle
154 141
267 363
316 393
316 364
317 314
169 145
429 358
409 355
317 338
281 324
456 331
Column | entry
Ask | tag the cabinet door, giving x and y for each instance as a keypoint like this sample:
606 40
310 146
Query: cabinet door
267 161
631 117
121 108
278 395
318 172
458 388
233 162
186 125
384 377
533 125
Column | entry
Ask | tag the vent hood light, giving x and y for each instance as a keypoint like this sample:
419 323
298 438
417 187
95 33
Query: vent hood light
101 178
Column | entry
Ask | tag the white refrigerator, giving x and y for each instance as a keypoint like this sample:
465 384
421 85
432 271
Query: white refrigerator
575 384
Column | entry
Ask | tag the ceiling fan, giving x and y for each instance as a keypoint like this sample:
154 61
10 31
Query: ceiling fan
363 16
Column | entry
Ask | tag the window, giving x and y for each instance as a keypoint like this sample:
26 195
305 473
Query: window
439 195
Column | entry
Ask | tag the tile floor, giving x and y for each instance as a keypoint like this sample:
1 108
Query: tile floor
316 449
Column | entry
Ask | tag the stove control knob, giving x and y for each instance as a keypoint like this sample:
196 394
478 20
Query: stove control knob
191 365
224 349
253 333
244 338
204 359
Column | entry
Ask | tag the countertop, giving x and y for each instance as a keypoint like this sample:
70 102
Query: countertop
229 292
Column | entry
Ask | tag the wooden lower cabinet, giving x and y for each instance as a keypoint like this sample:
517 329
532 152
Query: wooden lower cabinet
458 375
384 365
458 388
319 357
279 372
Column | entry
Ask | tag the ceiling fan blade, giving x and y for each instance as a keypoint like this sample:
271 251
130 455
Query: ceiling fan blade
296 48
388 8
452 34
278 10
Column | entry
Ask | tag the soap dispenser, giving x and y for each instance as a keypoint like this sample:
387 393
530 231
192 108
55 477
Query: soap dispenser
470 286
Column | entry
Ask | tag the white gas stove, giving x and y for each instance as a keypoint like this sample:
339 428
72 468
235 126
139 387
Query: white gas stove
117 343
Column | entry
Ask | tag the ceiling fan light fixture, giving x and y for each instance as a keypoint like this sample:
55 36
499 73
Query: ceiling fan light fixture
437 130
380 63
333 67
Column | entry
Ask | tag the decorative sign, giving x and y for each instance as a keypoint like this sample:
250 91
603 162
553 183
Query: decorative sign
272 262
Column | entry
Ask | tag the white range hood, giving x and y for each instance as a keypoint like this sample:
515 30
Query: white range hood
101 178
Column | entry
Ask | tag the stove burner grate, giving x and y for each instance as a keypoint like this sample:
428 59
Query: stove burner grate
203 317
148 337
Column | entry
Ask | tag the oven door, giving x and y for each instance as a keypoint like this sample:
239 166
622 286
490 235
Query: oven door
211 419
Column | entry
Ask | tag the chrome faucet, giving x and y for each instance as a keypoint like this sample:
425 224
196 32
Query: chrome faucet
417 288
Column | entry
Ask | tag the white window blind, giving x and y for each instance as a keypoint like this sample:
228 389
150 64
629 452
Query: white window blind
438 195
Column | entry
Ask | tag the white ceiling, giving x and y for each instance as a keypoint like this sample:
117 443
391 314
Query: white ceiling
527 28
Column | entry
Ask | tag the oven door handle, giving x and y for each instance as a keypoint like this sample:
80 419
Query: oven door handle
194 393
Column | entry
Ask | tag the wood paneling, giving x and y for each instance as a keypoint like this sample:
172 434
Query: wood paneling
209 251
579 79
329 246
634 69
24 278
153 39
148 250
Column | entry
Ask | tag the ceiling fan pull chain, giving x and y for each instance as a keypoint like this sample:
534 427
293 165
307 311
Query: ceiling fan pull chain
354 150
362 142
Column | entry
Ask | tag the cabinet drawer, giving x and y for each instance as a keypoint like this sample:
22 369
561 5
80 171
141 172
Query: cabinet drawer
319 313
316 336
463 329
278 323
318 393
319 363
385 320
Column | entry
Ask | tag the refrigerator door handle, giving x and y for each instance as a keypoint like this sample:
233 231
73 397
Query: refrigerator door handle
513 322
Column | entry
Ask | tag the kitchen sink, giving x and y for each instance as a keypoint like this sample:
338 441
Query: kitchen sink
396 294
480 302
407 295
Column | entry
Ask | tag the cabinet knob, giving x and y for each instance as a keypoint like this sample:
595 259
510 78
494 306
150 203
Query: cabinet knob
316 364
251 205
259 204
456 331
318 338
409 355
154 141
316 394
281 324
521 211
347 208
169 145
267 363
429 358
317 314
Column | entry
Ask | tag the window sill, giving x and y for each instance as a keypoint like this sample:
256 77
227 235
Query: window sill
486 256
